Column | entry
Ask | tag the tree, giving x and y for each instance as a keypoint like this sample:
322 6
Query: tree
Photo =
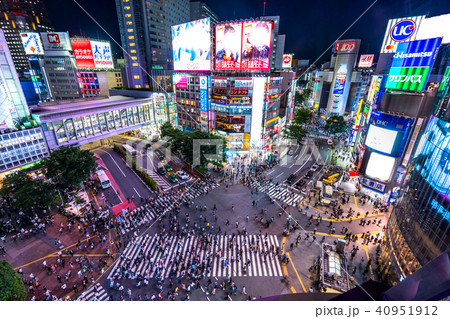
294 131
335 124
11 286
167 130
303 116
27 193
301 98
69 166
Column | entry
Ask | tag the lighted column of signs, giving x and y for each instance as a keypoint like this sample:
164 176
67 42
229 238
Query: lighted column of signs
92 54
243 45
203 96
412 64
399 30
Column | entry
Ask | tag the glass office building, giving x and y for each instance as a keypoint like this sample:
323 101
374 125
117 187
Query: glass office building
418 229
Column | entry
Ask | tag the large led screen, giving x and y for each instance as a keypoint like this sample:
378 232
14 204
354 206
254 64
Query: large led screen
191 46
432 158
228 46
256 43
380 166
243 45
388 134
411 64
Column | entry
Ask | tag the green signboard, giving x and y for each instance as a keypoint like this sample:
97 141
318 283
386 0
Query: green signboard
445 80
408 78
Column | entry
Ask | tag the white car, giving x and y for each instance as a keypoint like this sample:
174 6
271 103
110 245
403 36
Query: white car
314 167
182 175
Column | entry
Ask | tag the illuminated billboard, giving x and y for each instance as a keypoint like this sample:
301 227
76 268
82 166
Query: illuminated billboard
339 83
287 61
400 30
102 55
92 54
380 166
256 44
56 41
411 64
243 45
365 61
32 43
434 27
228 46
388 134
180 81
83 54
191 46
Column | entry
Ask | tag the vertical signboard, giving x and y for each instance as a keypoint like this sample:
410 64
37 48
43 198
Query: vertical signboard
287 61
204 96
101 52
256 44
366 60
83 53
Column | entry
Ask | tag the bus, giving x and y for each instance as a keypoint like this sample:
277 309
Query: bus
130 150
104 180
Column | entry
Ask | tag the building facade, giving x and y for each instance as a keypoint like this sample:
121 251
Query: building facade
145 30
22 16
200 10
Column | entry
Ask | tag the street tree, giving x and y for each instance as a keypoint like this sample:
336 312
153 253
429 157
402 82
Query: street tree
294 131
69 166
335 124
11 286
27 193
302 116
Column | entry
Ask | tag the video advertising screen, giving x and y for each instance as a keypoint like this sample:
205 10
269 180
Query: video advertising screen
191 46
228 46
256 44
381 139
380 166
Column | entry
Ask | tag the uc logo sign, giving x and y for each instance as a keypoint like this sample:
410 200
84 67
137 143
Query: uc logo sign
403 30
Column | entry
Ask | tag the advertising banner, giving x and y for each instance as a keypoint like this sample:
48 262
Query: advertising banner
204 95
228 46
412 64
32 43
287 61
366 60
434 27
56 41
191 46
339 83
374 89
400 30
83 53
256 45
102 55
180 81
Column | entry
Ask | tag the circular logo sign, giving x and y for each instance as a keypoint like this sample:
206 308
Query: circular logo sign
287 59
402 30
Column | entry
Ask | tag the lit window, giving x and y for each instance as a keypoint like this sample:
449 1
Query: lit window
134 64
127 7
132 44
137 86
131 37
129 22
132 51
130 30
134 58
136 77
128 15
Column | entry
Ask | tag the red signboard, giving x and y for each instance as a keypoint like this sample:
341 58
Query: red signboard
83 53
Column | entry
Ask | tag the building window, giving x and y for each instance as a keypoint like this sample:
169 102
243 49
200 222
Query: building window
126 7
130 30
134 58
135 64
131 37
136 77
129 22
132 51
132 44
127 15
137 86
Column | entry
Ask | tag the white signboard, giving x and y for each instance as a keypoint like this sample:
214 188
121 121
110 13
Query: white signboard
32 43
102 55
365 61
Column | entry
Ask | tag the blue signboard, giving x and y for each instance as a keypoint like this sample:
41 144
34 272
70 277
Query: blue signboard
420 53
203 96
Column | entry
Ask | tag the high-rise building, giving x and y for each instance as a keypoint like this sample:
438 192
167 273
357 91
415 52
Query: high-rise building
145 30
22 16
200 10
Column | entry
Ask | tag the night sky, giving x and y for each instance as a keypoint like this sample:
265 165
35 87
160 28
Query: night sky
310 26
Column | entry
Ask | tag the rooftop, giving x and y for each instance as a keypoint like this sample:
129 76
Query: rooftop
82 105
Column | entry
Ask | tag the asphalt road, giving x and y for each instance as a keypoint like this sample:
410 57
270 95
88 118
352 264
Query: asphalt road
129 183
